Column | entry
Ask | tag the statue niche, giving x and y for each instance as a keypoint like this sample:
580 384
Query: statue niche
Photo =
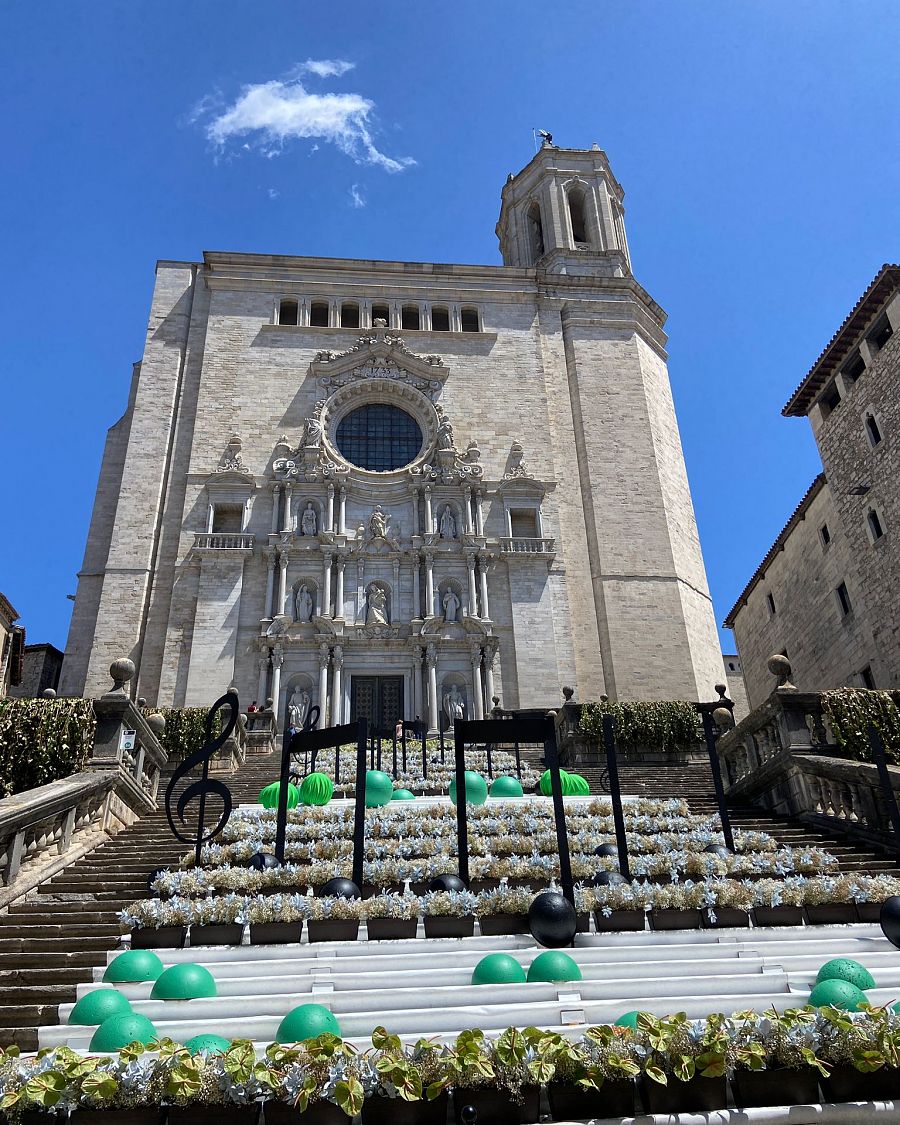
378 610
450 602
453 703
309 521
447 525
304 603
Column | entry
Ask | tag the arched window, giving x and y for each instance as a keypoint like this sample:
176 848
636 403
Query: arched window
349 315
381 312
318 314
576 215
469 320
535 231
440 320
409 316
873 431
288 311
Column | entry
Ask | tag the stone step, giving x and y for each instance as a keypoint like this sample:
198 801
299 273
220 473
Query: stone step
27 1015
25 1038
52 929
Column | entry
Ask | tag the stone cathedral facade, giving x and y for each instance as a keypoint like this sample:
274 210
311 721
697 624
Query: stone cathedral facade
400 488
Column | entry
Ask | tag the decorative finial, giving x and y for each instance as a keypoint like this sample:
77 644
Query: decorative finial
780 667
568 692
121 671
48 693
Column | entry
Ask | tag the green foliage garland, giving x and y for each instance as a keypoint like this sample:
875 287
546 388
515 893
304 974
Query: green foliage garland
185 729
849 712
665 726
42 740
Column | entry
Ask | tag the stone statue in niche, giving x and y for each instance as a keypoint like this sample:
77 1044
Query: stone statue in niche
378 523
445 435
303 604
454 704
376 607
298 708
309 523
451 604
447 524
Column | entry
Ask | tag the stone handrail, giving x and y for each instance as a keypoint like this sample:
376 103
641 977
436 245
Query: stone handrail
519 545
223 541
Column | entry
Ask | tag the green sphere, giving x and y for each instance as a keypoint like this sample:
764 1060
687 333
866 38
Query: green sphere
118 1031
475 786
184 982
546 785
98 1005
132 966
403 795
506 787
628 1020
306 1022
268 797
208 1045
553 966
316 789
837 994
379 789
576 786
843 968
498 968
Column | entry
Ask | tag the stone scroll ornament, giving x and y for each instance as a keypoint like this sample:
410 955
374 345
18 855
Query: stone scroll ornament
204 786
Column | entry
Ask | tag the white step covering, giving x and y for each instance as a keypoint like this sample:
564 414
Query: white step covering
422 986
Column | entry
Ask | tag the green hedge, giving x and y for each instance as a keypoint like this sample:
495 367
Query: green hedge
849 712
664 726
42 740
184 731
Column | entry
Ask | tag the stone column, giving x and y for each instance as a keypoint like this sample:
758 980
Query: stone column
342 511
395 596
478 690
415 500
277 661
282 581
210 515
270 583
336 700
429 520
416 580
473 599
329 511
360 589
417 682
339 589
263 666
482 575
431 660
469 527
324 657
276 493
429 585
326 584
489 654
479 512
286 520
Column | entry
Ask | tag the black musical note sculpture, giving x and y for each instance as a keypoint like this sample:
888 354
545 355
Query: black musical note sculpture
204 785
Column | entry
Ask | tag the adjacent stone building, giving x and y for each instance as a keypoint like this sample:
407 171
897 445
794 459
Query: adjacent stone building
404 488
41 667
12 643
827 594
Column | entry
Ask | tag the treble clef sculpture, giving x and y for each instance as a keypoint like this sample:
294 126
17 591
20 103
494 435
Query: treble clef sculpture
204 785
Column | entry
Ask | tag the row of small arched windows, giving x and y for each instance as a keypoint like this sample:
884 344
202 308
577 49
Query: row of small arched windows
349 315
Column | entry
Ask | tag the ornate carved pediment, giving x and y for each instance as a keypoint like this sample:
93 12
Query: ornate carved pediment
379 355
449 465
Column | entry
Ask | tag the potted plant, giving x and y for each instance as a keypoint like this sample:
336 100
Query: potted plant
318 1082
863 1053
728 904
828 901
449 913
499 1078
219 920
616 908
277 919
503 911
685 1064
211 1090
392 916
334 918
778 902
410 1083
775 1062
593 1078
677 907
158 925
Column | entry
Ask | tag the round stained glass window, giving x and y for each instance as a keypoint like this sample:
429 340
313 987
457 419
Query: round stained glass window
379 437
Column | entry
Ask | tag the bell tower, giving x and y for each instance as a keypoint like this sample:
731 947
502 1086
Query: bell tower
564 212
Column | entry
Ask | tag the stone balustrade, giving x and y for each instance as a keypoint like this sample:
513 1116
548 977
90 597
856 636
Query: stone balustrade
517 545
223 541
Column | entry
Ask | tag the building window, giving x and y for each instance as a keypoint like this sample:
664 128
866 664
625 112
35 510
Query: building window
535 232
288 312
381 312
853 368
227 518
880 334
440 320
576 215
318 314
868 680
873 432
409 316
830 399
379 437
468 319
875 528
770 601
523 523
349 315
843 599
730 665
824 534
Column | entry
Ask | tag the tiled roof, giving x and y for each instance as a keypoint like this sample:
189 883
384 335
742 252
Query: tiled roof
883 284
798 514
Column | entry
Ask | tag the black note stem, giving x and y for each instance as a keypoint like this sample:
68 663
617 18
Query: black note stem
551 757
715 766
359 819
876 744
283 779
615 793
462 826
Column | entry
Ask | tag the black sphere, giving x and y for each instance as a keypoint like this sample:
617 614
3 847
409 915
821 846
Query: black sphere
551 920
717 850
607 879
607 850
156 871
468 1115
447 882
263 861
340 888
890 919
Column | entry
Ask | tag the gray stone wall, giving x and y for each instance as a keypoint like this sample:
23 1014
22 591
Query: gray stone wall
40 670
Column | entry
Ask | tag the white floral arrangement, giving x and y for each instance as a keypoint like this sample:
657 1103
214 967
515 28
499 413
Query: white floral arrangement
278 908
403 906
449 904
504 900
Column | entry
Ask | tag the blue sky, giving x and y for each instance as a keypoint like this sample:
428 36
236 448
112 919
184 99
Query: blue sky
758 144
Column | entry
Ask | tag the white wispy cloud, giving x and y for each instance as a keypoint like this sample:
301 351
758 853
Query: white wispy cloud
274 193
357 199
267 115
324 68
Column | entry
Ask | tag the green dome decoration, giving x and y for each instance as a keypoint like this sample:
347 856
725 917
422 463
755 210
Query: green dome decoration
184 982
629 1019
476 788
316 789
98 1005
506 787
546 784
208 1045
553 966
132 966
577 786
843 968
306 1022
118 1031
379 789
498 968
403 795
837 994
268 797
